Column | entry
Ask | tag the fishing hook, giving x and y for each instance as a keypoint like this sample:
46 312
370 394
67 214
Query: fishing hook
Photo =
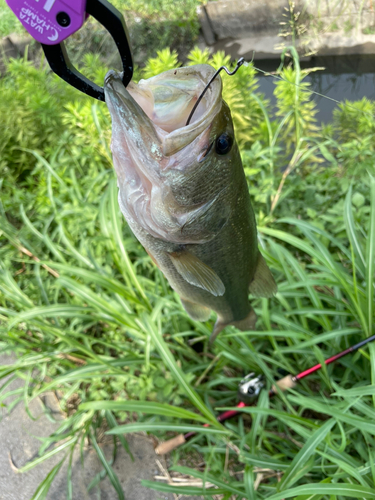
240 62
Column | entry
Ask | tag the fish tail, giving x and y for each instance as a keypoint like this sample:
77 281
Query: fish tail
245 324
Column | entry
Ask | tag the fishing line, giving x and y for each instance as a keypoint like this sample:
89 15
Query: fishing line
240 62
267 73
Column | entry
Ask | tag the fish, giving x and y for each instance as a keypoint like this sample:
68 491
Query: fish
184 194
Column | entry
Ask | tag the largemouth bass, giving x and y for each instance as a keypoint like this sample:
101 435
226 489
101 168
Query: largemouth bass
183 192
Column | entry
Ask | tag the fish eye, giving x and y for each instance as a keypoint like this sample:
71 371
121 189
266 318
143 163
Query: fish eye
223 144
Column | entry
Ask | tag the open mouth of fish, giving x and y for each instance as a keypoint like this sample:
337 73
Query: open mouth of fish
150 138
162 104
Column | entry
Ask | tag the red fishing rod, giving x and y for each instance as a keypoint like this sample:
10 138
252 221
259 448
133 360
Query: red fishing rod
249 390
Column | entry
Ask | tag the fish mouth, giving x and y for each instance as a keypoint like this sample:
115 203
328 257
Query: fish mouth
163 104
150 137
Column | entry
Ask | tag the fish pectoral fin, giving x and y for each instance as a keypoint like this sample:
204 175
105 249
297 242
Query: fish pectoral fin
246 324
197 273
196 311
262 284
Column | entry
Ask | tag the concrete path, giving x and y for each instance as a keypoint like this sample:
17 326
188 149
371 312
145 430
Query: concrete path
19 444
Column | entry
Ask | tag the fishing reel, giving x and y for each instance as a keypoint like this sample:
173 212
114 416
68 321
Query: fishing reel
249 388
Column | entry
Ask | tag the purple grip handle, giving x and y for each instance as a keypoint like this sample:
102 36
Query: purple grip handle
49 21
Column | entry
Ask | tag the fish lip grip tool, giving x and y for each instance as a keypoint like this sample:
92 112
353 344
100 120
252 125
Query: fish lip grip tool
51 22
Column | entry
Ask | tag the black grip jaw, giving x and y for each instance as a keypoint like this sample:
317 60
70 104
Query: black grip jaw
114 22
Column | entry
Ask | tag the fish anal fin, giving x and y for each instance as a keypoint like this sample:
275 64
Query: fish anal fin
196 311
245 324
197 273
262 284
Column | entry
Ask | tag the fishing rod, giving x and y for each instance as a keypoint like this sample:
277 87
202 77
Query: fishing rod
249 390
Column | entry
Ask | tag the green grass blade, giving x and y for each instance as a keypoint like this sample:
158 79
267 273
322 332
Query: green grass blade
108 283
323 337
249 480
49 454
292 474
148 407
183 490
112 422
281 415
60 310
110 472
372 364
42 490
351 230
370 258
74 252
48 166
268 333
366 390
69 483
104 307
114 209
166 426
361 423
342 489
303 225
346 468
177 373
91 370
292 240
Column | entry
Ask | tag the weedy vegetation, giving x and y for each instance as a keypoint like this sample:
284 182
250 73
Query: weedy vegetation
152 25
88 314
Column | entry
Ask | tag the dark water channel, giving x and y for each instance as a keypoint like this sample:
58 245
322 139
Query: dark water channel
344 77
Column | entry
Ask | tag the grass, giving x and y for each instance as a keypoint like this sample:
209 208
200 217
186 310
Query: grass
88 314
8 21
120 319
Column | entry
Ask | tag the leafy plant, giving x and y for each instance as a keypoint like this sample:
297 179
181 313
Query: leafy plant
353 120
164 61
295 104
31 105
8 21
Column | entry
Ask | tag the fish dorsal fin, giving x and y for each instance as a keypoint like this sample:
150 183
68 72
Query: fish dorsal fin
196 311
262 284
197 273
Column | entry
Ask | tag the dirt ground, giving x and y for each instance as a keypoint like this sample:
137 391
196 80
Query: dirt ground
19 443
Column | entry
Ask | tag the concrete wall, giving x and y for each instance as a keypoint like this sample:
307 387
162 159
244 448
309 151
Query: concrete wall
12 46
239 18
251 28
